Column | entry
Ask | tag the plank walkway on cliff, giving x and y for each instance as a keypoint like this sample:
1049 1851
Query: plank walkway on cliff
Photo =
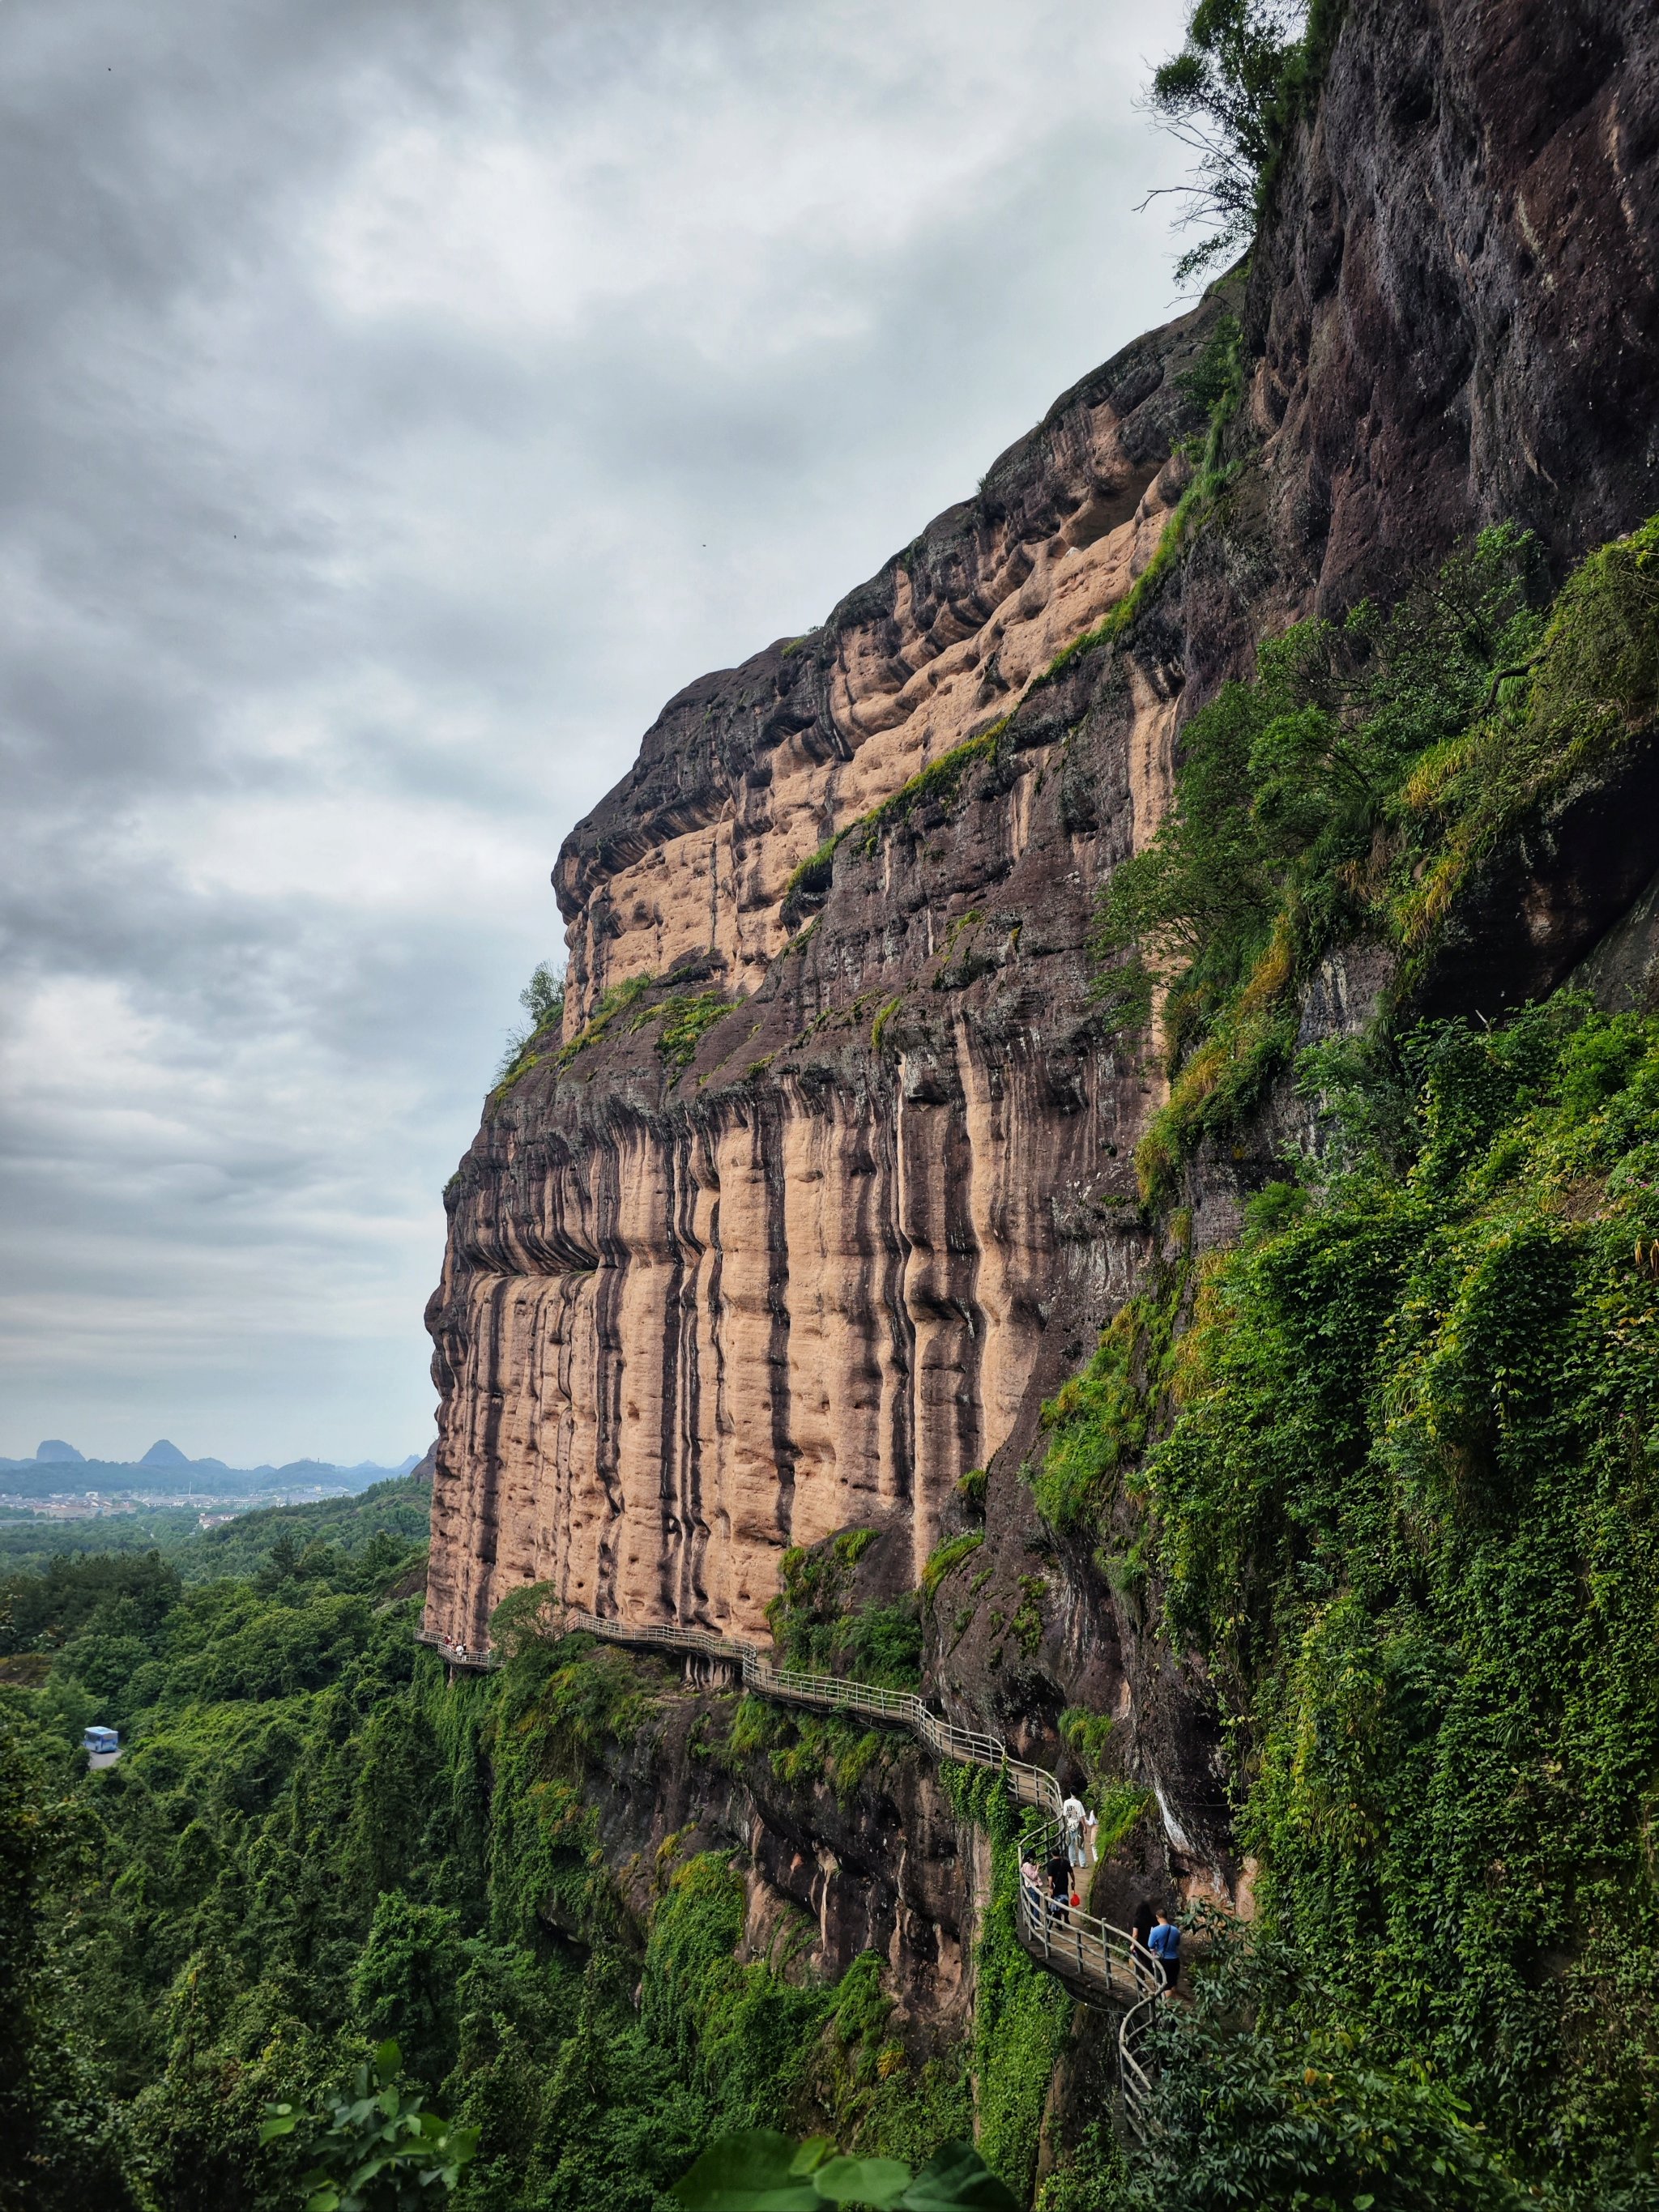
1101 1964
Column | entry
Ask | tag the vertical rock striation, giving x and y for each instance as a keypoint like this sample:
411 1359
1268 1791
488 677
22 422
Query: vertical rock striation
691 1313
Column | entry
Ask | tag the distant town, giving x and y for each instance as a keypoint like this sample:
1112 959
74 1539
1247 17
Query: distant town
59 1482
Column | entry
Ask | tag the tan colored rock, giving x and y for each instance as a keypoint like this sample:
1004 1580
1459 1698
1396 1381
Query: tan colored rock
688 1319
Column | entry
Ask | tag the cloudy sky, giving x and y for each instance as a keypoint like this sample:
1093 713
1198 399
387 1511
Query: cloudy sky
400 401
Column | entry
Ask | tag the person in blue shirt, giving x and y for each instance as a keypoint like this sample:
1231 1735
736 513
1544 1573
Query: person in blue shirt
1165 1944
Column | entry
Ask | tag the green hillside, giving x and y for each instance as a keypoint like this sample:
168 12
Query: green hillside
398 1506
312 1841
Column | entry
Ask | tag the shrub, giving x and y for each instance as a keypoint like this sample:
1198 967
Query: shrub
543 1000
1087 1734
1251 2110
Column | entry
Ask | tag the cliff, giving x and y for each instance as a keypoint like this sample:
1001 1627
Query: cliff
827 1184
703 1304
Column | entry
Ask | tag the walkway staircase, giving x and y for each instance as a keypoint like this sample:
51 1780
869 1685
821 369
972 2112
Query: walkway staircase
1103 1964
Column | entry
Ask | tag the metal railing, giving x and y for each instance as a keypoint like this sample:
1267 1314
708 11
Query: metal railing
457 1655
1100 1962
1079 1948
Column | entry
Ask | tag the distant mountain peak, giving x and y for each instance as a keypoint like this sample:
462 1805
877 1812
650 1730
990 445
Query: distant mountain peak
161 1453
55 1448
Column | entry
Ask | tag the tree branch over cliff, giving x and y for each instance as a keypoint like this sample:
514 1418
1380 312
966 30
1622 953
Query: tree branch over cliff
1230 96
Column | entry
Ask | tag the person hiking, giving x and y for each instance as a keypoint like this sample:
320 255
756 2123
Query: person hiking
1165 1944
1032 1875
1059 1883
1074 1812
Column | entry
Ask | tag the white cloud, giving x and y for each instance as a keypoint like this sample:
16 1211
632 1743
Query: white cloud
402 403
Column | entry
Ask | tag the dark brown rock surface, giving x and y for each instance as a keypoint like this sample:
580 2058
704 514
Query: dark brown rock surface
1458 300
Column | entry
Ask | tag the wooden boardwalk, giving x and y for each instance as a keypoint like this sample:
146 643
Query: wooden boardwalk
1101 1964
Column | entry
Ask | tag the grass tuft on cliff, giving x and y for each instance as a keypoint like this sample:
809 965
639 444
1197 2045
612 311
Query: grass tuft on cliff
938 784
1217 378
609 1007
684 1016
684 1020
948 1558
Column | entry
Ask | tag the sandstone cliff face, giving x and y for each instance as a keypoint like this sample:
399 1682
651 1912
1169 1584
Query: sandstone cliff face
746 773
691 1313
692 1316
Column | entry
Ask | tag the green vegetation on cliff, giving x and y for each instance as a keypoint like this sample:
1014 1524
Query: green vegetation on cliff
1021 2016
1409 1512
1355 790
1404 1508
682 1016
818 1629
315 1842
1386 1471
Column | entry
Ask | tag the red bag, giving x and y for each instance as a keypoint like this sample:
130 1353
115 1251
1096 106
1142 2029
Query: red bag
1076 1899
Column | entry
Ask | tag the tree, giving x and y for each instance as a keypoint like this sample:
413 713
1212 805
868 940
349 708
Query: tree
543 1000
58 2144
1221 96
406 1978
380 2150
543 996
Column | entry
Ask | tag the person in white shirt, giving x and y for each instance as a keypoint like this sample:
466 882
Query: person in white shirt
1074 1814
